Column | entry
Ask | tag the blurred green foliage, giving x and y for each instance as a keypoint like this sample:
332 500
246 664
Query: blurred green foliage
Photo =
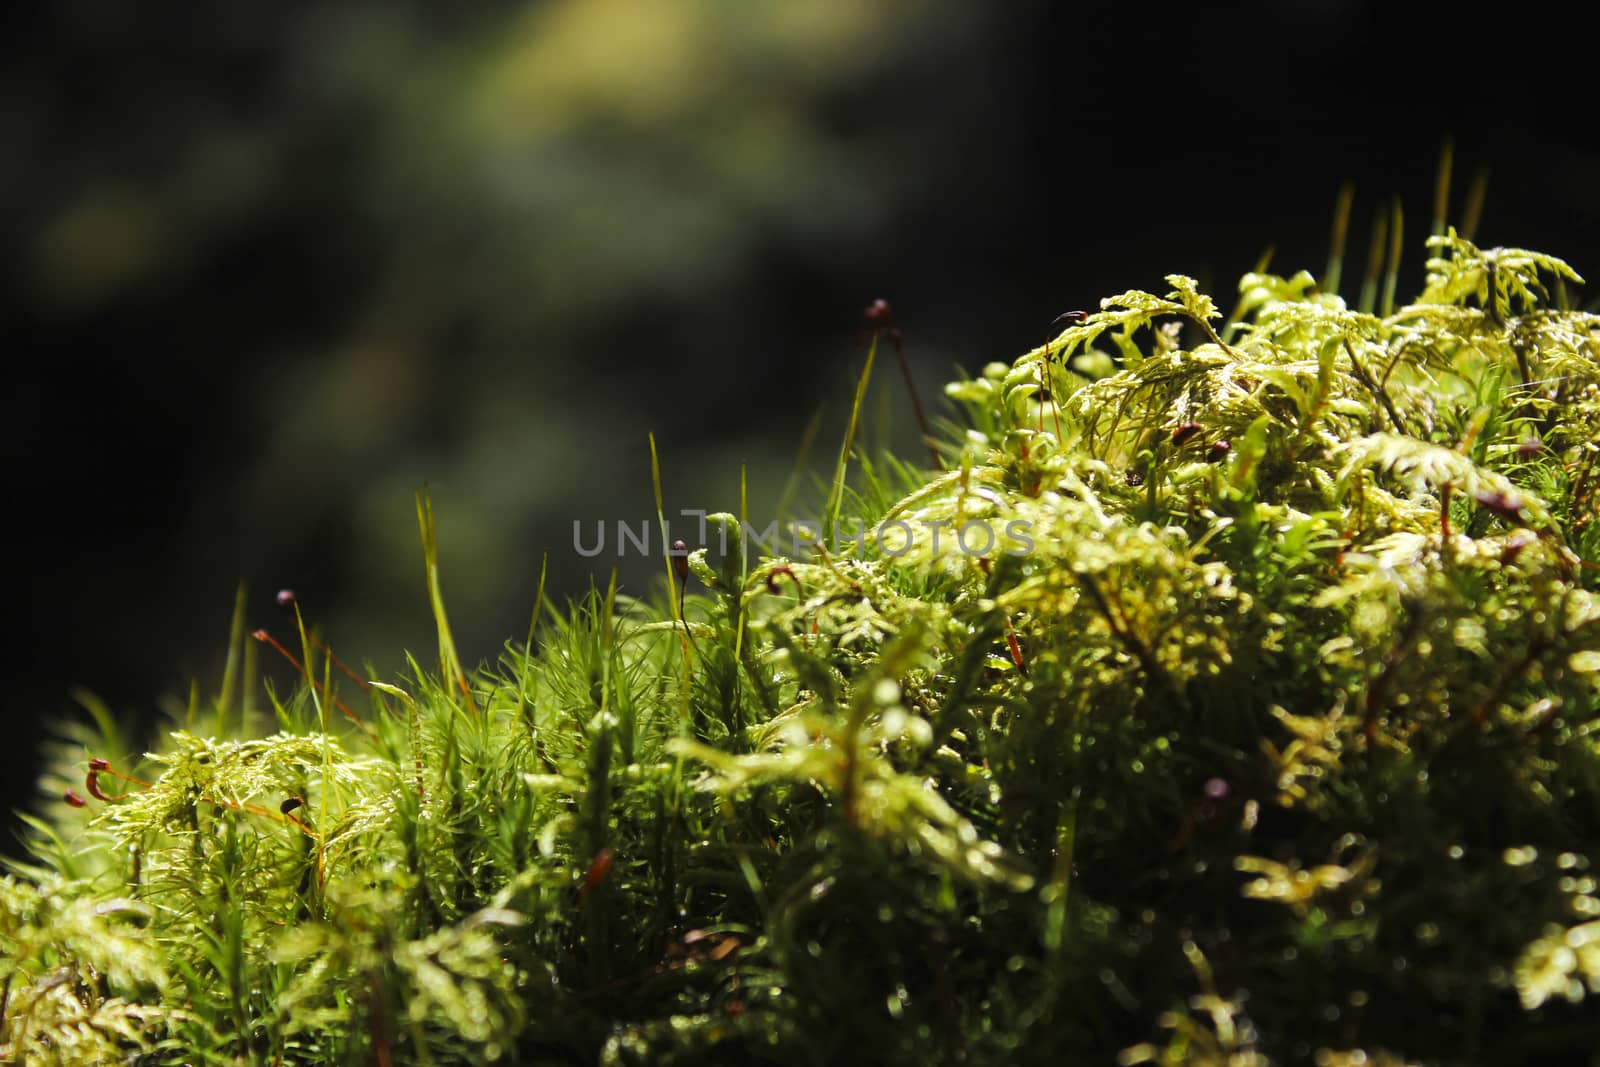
483 241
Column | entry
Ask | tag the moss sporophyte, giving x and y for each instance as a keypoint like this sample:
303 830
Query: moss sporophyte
1280 744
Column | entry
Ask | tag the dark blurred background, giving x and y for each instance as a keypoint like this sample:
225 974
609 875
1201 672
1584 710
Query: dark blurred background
271 267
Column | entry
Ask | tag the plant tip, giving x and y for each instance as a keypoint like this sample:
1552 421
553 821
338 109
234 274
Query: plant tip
1185 433
599 868
91 781
1514 545
772 580
286 598
1506 505
71 797
878 314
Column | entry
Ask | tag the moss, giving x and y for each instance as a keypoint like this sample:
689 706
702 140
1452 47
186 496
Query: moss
1229 696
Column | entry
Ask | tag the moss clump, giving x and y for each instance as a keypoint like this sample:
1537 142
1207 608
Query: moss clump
1231 699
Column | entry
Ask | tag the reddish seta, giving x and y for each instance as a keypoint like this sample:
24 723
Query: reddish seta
596 874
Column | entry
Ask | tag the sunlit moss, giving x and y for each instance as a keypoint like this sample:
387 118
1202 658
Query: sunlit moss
1262 728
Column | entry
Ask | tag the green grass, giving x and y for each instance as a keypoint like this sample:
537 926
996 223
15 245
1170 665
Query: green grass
1279 745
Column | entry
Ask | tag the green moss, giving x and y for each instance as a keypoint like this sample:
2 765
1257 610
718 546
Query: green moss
1278 743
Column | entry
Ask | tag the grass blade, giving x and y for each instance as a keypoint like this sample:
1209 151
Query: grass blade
449 661
830 518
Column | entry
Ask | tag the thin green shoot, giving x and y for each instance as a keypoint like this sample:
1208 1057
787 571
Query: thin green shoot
1472 213
236 652
538 605
1368 300
1441 187
836 491
1235 316
449 661
1336 244
1391 272
685 638
744 560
